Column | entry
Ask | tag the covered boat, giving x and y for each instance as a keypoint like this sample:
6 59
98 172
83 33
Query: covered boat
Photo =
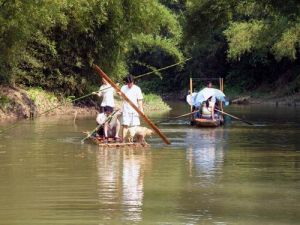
196 99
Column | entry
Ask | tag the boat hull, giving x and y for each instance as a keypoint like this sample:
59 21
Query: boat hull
201 122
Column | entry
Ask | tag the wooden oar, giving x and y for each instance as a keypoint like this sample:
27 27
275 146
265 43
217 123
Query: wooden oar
146 119
234 117
172 118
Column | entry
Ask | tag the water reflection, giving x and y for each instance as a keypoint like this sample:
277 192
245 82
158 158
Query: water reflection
121 181
133 185
108 167
205 152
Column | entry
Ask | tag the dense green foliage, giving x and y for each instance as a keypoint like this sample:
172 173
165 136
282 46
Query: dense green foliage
51 44
249 42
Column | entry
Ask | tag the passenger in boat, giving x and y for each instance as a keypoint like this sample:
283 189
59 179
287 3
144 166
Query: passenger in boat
111 124
190 98
209 84
208 108
130 117
198 100
107 92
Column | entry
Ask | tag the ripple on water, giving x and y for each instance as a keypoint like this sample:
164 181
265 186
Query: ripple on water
70 140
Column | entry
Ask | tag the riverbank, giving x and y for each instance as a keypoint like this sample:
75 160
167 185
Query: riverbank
291 100
246 98
19 103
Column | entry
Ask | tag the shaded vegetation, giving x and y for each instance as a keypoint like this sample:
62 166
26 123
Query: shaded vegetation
156 103
5 103
56 47
51 44
251 43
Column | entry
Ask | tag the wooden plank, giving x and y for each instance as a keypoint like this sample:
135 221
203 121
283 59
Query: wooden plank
146 119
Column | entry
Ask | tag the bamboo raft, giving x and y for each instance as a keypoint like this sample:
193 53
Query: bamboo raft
111 143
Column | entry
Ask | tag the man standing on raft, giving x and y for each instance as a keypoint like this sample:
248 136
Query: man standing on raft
130 117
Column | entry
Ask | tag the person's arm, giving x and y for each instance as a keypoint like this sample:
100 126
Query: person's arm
140 105
99 93
101 90
119 93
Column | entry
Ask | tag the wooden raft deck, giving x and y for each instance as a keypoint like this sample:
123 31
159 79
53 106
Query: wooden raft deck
111 143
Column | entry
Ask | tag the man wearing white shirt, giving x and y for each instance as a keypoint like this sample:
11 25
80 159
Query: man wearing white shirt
130 117
106 91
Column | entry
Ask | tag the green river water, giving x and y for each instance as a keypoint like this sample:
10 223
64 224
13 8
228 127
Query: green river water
236 174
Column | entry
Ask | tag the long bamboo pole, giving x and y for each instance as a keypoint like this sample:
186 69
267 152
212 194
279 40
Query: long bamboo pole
146 119
221 88
164 68
177 117
191 91
222 80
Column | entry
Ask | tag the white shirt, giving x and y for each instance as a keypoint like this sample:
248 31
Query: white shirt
190 99
134 94
107 92
101 117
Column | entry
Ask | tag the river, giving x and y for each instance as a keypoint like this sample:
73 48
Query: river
236 174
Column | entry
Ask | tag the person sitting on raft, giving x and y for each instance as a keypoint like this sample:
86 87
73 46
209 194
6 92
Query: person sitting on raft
110 124
208 108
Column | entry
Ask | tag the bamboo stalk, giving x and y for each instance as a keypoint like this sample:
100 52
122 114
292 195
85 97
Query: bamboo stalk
222 80
177 117
221 88
191 91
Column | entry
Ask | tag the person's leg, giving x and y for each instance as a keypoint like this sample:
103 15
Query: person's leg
118 126
105 130
101 132
111 132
